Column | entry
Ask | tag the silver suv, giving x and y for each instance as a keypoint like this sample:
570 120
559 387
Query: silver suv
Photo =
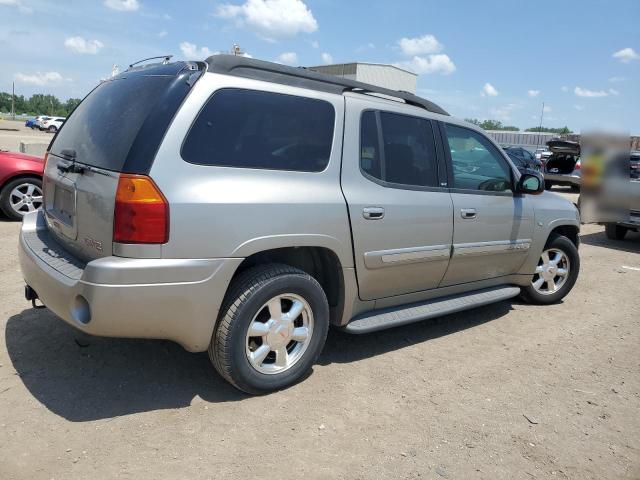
243 207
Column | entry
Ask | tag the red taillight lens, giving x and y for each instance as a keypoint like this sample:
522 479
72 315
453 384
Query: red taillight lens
577 166
141 213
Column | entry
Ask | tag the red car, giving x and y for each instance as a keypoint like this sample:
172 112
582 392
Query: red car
20 183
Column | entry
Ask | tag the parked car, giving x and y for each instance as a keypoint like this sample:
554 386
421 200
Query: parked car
53 124
30 123
618 230
40 121
240 207
523 159
20 184
563 166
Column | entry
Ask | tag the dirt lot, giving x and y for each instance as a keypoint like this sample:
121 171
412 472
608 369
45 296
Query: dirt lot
505 391
14 132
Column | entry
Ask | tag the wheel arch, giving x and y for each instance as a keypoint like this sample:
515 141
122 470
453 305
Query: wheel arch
321 263
17 176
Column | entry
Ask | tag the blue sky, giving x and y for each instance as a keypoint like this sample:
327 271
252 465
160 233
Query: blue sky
489 59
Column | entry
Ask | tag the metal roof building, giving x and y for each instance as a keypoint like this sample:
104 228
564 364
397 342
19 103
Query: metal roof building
381 75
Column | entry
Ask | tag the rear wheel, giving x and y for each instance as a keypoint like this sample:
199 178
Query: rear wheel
548 185
21 196
556 272
52 129
615 232
271 330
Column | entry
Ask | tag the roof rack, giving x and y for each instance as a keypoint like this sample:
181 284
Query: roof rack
301 77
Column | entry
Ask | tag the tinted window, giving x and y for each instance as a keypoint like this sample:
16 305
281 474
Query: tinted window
252 129
476 163
408 149
104 126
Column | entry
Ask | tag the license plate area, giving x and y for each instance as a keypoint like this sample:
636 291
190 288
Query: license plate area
61 206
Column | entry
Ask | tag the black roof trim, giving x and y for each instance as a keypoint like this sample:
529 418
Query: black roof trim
301 77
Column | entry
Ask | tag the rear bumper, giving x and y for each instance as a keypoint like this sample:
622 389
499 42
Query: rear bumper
559 179
173 299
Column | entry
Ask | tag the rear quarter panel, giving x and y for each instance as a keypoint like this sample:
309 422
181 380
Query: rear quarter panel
222 212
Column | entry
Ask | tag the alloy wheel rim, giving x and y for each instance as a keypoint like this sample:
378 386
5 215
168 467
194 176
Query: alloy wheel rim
279 334
25 198
552 271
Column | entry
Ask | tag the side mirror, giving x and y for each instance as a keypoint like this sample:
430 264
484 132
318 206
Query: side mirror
530 182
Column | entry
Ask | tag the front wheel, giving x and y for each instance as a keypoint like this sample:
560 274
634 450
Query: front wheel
52 129
556 272
21 196
272 327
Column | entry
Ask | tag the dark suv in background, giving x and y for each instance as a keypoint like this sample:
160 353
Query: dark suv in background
523 158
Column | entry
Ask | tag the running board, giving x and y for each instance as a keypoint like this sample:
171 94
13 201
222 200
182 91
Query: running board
415 312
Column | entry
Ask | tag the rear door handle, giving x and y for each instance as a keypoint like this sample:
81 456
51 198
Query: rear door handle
373 213
468 213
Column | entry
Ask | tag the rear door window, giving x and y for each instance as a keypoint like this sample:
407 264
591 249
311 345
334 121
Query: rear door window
256 129
406 153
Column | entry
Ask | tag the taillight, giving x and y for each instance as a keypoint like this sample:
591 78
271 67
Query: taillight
578 166
141 213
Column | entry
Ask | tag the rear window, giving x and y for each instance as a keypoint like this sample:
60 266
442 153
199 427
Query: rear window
253 129
104 126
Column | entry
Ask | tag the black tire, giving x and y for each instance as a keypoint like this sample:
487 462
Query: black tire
246 296
614 231
5 204
560 242
52 129
575 188
548 185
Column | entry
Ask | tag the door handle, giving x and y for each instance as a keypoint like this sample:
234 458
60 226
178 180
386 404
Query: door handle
373 213
468 213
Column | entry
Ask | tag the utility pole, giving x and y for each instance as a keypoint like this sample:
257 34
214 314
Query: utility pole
540 129
13 102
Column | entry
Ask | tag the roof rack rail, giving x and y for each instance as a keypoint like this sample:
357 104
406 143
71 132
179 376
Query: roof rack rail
165 60
301 77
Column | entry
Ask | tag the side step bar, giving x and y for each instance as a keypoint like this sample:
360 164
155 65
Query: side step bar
404 314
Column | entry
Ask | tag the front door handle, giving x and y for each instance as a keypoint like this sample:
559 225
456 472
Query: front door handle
468 213
373 213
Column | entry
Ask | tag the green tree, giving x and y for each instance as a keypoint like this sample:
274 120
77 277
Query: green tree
492 125
561 131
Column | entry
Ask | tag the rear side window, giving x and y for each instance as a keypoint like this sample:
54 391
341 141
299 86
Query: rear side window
254 129
405 154
104 126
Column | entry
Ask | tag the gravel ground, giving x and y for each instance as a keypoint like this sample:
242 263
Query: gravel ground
505 391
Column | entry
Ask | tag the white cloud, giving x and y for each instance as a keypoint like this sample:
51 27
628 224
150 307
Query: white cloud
327 58
80 45
613 91
191 51
39 78
272 19
617 79
489 90
315 44
504 113
19 4
583 92
546 109
533 93
439 63
578 107
162 34
564 88
122 5
626 55
288 57
420 45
